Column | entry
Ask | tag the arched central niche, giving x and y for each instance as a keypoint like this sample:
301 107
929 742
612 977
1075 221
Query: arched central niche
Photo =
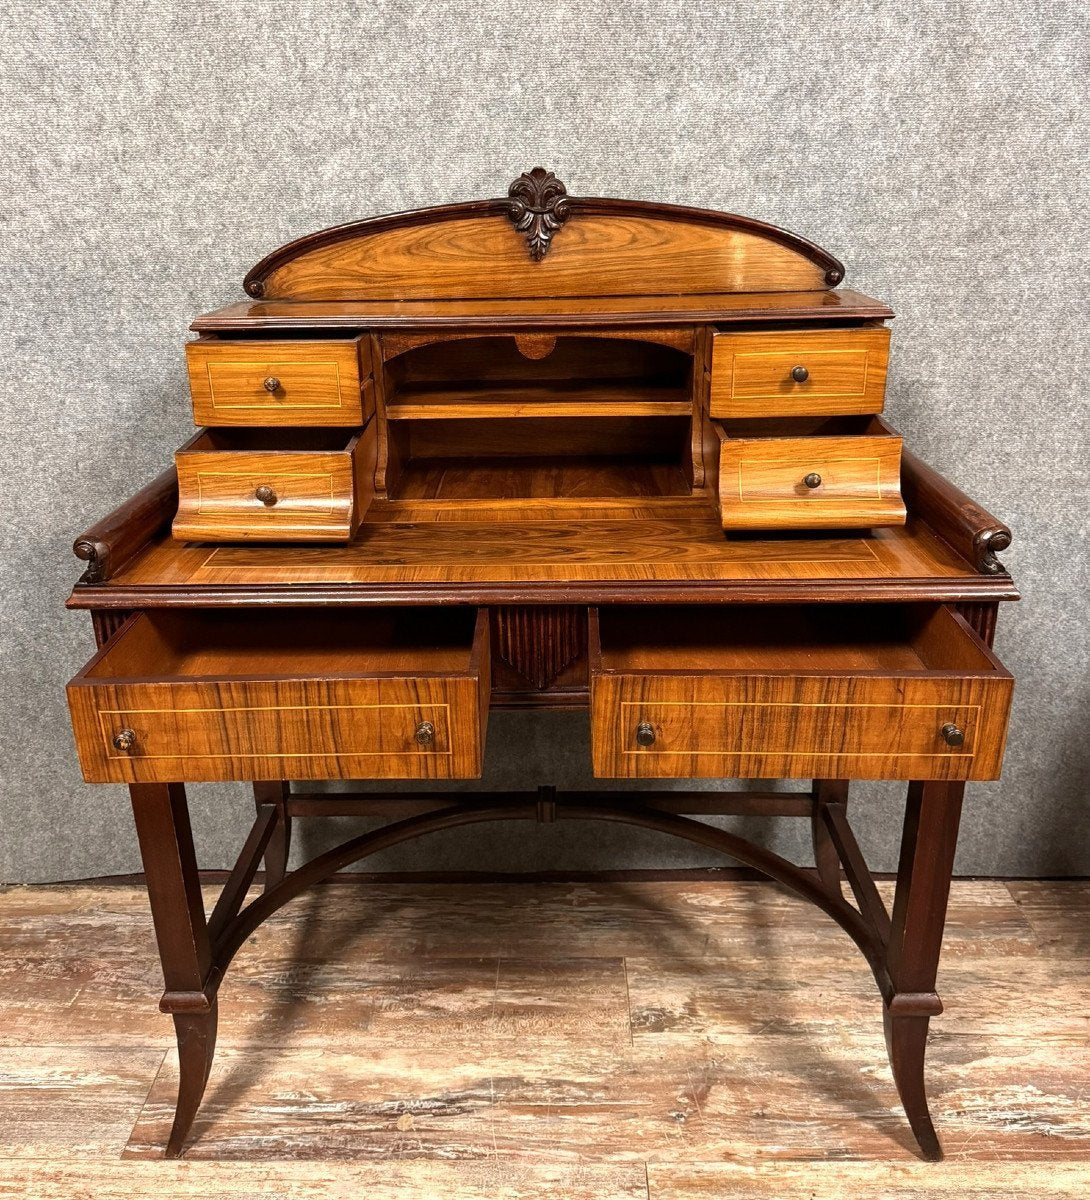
556 415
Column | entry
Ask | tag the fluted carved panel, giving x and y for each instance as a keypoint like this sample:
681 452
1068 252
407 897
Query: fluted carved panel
540 641
106 622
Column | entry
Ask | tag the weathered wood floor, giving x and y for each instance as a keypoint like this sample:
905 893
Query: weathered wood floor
662 1040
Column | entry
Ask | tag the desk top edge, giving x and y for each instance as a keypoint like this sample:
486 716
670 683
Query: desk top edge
572 312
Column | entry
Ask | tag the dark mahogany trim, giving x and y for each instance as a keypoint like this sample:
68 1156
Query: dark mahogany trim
969 529
970 588
411 804
400 315
254 283
113 541
804 882
538 206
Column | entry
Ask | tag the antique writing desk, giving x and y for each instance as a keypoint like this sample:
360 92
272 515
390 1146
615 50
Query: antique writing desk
544 451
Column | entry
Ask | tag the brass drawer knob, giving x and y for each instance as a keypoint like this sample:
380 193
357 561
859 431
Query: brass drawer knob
124 739
645 734
813 480
800 374
425 733
952 735
266 495
271 384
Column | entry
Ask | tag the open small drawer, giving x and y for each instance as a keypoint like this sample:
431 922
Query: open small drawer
294 694
809 473
776 691
274 485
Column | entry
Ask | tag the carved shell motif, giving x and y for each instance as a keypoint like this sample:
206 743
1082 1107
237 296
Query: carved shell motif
538 207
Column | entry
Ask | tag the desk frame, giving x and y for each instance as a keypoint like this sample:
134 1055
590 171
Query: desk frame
902 948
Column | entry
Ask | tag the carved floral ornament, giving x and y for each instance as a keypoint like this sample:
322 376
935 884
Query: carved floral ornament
538 207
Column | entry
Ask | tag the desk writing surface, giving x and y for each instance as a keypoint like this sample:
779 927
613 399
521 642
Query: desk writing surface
412 543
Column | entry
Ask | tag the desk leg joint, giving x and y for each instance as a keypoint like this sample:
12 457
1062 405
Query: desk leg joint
279 844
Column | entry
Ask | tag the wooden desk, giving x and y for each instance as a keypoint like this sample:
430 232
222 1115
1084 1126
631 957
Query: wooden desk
531 452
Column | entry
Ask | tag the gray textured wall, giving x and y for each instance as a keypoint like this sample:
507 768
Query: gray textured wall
153 153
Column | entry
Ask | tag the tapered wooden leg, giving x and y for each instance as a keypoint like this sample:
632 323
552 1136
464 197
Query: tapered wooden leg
932 815
826 858
276 852
181 930
196 1034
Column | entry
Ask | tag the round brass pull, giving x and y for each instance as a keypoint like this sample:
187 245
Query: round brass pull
271 384
645 734
124 739
800 374
266 495
425 733
813 480
952 735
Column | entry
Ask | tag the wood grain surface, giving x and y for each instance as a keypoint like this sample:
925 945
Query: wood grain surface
790 694
412 543
576 1041
215 697
483 257
763 475
845 372
318 381
654 309
311 494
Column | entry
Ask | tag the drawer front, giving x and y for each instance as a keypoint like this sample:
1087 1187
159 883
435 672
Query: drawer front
799 373
226 495
768 727
283 729
278 383
810 482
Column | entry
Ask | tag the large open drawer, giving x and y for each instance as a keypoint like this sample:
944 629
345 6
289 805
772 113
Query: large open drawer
294 694
820 691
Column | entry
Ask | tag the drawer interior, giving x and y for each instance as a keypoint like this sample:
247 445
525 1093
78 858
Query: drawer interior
265 441
789 639
292 643
803 427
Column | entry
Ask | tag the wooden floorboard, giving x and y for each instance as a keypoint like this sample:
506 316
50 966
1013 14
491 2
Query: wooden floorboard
588 1040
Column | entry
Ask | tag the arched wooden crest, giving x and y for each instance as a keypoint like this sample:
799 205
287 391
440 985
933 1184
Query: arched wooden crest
540 242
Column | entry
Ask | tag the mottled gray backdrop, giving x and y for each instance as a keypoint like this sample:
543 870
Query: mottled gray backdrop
152 153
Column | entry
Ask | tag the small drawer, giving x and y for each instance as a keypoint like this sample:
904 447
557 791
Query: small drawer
298 694
841 473
778 692
805 373
306 485
323 383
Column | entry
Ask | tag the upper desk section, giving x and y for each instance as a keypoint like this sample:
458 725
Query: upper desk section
540 254
544 398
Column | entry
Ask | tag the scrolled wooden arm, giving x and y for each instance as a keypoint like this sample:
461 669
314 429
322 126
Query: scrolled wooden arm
111 542
971 530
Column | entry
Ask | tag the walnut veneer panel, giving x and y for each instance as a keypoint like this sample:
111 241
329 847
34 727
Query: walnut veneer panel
311 495
417 543
259 697
783 707
845 372
484 257
810 482
317 383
